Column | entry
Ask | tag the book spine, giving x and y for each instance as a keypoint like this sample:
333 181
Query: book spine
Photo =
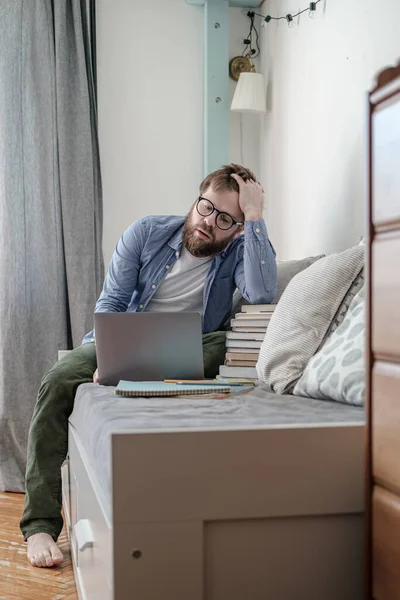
251 308
245 335
241 356
240 363
243 344
249 372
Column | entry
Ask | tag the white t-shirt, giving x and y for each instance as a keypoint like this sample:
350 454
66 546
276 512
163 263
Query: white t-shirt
182 289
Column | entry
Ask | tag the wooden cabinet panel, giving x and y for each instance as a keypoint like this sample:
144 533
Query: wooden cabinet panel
385 545
385 163
383 339
386 425
386 296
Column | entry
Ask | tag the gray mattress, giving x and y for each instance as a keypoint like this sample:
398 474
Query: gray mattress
98 413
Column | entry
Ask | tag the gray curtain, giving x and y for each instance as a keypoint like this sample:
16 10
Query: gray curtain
51 266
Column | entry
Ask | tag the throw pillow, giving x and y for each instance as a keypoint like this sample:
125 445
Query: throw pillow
337 371
344 307
287 269
303 315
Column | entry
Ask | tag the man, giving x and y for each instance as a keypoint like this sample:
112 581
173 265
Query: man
162 263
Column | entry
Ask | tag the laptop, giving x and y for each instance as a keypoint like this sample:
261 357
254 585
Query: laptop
148 346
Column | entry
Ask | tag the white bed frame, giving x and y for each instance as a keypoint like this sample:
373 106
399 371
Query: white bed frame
271 513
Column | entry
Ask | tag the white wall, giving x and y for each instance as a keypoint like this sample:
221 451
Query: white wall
313 151
150 93
244 129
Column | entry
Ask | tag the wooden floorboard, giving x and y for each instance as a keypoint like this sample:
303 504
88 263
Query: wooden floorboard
18 579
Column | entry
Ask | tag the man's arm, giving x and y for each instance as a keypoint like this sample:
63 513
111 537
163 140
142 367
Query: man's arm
256 273
123 271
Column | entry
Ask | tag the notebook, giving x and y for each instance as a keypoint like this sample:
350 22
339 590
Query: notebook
160 388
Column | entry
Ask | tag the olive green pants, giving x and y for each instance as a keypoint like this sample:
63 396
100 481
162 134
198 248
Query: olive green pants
48 432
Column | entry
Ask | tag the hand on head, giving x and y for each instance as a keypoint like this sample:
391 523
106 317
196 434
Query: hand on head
251 198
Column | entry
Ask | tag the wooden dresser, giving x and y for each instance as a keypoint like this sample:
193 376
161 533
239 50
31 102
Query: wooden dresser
383 356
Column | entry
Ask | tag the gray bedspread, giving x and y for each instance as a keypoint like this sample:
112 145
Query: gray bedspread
99 413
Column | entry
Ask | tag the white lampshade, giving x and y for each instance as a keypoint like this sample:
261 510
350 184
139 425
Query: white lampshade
249 93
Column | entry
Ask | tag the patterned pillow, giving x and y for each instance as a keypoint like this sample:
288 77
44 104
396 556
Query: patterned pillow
337 371
303 315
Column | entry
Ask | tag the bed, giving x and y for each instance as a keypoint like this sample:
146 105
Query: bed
254 496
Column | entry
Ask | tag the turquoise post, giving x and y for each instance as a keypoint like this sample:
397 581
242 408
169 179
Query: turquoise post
216 78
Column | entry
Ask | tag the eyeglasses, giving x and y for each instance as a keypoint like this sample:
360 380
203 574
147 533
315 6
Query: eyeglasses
205 208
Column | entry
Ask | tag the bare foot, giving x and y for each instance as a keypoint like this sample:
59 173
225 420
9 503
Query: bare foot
43 551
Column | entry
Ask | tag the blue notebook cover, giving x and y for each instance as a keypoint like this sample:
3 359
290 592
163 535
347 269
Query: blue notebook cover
160 388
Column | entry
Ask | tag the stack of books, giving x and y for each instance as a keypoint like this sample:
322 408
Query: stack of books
244 340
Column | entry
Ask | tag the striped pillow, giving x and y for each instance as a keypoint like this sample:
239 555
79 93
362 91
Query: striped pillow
303 315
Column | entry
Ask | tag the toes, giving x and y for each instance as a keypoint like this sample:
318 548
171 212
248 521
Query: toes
36 560
40 561
32 560
43 551
57 558
48 559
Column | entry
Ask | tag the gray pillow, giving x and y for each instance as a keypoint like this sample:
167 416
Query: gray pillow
303 315
287 269
337 371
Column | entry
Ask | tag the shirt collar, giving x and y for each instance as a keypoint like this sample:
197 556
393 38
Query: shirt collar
175 241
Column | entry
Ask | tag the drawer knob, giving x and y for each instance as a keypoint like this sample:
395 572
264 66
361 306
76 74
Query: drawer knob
83 534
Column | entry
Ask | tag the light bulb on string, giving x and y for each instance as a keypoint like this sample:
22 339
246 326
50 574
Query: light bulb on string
313 10
266 21
290 21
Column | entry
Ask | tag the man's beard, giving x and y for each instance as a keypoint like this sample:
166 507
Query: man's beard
198 247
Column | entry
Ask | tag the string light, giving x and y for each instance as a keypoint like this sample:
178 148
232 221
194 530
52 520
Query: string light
248 49
290 21
289 18
313 10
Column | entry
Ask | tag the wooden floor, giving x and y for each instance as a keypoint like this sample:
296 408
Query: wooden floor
18 579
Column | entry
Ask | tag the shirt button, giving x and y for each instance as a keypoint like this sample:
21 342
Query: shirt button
141 306
257 230
153 286
263 262
167 267
177 254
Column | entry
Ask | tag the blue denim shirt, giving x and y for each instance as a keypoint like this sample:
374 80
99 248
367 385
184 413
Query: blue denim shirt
151 246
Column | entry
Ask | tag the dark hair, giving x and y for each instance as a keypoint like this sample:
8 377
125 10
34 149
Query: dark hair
221 179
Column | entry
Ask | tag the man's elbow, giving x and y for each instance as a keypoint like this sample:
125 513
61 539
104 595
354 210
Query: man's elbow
109 305
266 297
270 292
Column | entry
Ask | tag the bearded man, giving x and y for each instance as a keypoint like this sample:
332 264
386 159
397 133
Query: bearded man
160 264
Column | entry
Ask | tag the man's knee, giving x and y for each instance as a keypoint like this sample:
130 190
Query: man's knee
213 352
81 359
66 374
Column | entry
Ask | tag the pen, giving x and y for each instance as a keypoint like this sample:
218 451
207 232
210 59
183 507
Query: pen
213 382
